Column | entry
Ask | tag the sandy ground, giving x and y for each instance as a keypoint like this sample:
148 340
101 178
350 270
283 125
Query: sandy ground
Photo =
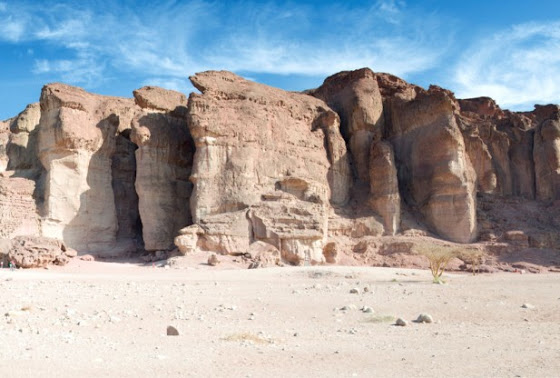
93 319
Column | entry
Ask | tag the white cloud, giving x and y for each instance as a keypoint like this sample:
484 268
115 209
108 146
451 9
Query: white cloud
172 40
517 67
11 30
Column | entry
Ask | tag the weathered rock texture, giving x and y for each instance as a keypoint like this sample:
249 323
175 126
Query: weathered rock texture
78 175
37 252
163 165
273 158
77 139
547 153
435 174
351 172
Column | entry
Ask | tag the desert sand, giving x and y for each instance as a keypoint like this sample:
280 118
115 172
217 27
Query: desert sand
93 319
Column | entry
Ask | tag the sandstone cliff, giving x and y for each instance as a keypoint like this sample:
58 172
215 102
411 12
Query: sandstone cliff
351 172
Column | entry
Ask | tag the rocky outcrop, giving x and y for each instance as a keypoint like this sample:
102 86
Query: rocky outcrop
500 146
355 96
278 156
77 139
4 138
163 165
546 152
435 174
38 252
18 210
22 145
155 98
332 175
114 170
384 186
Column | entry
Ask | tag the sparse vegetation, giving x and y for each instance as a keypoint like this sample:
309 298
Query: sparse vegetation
248 337
380 319
473 257
439 256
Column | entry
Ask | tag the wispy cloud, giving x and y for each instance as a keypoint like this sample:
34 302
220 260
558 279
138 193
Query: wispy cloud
169 41
518 67
176 84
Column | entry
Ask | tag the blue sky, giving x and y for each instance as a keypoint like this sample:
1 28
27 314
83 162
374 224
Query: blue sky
509 50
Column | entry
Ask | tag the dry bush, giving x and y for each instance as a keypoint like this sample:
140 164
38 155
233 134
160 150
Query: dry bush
473 257
438 255
380 319
248 337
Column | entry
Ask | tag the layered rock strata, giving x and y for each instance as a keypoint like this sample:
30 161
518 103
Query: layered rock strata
275 158
163 165
351 170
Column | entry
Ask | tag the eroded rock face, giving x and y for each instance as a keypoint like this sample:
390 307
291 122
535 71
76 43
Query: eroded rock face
384 186
18 210
252 141
22 145
500 146
163 166
547 153
38 252
77 136
4 138
355 96
275 177
155 98
435 174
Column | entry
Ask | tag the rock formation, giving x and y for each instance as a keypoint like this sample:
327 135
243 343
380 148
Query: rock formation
351 172
77 139
435 174
163 165
546 153
270 160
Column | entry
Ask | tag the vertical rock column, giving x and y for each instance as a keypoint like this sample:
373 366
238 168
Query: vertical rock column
435 173
546 152
384 186
164 162
76 143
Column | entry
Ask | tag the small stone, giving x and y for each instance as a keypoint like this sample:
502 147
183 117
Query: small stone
401 322
367 310
366 289
528 306
354 291
424 318
172 331
213 260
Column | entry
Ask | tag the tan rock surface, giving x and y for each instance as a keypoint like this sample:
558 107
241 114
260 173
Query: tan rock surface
264 166
38 252
18 209
433 165
546 153
22 145
4 138
384 186
355 96
252 140
156 98
76 143
163 166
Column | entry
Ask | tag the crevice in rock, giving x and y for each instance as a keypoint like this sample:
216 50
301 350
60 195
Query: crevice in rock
126 199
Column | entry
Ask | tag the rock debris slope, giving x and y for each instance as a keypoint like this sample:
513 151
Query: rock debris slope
351 172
